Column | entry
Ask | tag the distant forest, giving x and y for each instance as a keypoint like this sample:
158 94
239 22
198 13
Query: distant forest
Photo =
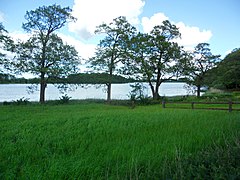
80 78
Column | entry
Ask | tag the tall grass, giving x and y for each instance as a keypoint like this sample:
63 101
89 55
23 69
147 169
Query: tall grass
97 141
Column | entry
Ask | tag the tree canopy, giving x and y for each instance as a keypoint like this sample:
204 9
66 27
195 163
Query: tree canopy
155 56
6 44
44 54
199 63
47 19
227 74
111 50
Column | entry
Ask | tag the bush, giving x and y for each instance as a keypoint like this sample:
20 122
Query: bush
137 94
65 99
218 96
21 101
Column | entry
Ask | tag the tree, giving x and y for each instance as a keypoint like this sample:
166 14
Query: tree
2 45
111 51
155 56
227 75
199 63
6 44
44 54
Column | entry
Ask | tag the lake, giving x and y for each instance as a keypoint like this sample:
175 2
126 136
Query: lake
10 92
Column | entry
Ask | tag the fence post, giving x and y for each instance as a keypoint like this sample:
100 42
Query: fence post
230 106
192 104
163 104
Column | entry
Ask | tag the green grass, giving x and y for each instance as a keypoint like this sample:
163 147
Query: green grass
98 141
201 105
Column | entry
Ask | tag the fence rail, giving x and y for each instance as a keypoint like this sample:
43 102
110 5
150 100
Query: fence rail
192 105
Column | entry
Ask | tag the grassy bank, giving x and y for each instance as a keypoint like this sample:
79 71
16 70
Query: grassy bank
97 141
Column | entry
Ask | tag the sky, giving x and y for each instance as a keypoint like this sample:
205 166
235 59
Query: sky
213 21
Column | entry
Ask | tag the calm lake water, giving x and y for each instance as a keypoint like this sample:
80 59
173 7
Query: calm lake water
10 92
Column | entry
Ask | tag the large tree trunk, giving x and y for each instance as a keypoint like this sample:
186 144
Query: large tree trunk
151 86
154 91
109 89
109 84
42 88
156 96
198 90
42 75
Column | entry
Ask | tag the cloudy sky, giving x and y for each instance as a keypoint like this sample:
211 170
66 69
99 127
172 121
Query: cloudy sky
213 21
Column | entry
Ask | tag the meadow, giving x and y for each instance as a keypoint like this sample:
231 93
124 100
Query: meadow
100 141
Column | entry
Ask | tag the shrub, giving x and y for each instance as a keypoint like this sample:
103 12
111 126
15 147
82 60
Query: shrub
21 101
65 99
137 94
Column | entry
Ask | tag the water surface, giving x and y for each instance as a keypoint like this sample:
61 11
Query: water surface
10 92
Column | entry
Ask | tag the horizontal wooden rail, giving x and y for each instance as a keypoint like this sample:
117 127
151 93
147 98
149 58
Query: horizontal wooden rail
192 105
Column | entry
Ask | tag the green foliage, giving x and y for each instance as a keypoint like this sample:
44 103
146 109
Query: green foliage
6 44
111 51
21 101
227 75
44 54
65 99
207 97
98 141
6 78
219 96
96 78
79 78
60 59
154 56
198 64
137 94
47 19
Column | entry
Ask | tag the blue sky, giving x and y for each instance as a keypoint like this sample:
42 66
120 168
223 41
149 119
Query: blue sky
213 21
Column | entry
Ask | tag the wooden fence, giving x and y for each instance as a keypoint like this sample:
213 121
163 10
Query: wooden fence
192 105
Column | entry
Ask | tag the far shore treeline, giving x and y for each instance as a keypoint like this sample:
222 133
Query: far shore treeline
80 78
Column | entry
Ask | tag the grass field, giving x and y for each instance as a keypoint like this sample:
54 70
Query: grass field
99 141
201 105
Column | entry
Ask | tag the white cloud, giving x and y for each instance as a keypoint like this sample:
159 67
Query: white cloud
190 35
149 23
91 13
19 35
85 50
